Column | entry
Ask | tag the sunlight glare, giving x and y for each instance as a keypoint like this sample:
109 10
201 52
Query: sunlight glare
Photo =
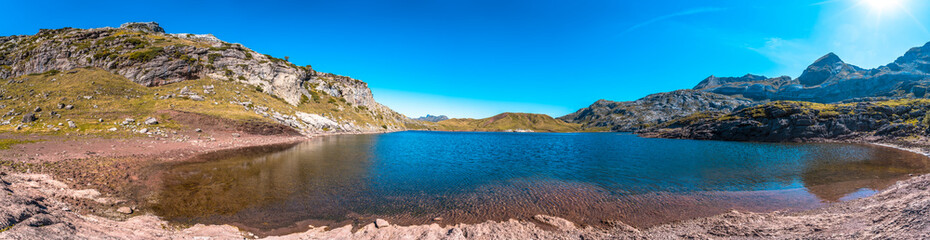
882 6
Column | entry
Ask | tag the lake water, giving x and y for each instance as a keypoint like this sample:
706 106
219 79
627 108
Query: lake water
589 178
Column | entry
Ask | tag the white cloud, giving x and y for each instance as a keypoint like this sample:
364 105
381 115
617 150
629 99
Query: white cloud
673 15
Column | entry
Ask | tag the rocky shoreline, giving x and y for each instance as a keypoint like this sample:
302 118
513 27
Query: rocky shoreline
43 206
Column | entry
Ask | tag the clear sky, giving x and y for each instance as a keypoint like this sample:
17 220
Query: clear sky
479 58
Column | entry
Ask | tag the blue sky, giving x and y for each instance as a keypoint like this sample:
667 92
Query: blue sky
479 58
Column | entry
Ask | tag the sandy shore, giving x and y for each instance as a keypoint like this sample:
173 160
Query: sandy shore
68 206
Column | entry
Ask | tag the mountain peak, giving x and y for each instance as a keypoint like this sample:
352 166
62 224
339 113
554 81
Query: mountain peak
827 60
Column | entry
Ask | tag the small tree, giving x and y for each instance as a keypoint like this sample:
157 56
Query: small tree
287 59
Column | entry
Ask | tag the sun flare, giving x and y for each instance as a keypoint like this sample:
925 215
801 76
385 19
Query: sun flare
882 6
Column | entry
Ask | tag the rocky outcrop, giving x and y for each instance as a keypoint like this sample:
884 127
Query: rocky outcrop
801 121
653 109
144 54
432 118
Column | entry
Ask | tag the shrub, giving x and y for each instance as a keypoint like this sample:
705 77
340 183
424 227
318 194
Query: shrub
212 57
304 99
259 89
146 55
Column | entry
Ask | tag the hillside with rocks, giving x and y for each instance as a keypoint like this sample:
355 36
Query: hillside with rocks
259 87
804 121
828 80
651 110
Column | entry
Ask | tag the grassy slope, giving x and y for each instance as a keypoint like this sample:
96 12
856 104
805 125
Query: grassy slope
118 98
509 121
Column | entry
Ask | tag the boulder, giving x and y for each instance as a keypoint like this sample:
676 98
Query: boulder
124 210
381 223
28 118
151 121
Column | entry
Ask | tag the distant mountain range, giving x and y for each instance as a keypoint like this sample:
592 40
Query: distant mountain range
827 80
432 118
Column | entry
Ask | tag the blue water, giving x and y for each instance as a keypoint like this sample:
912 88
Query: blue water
412 177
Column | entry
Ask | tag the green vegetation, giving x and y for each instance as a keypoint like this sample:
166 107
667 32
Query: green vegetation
212 57
146 55
510 122
7 143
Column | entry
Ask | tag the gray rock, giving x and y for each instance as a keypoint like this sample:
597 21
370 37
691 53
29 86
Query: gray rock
69 107
71 124
151 121
149 27
29 117
196 97
198 130
236 135
38 109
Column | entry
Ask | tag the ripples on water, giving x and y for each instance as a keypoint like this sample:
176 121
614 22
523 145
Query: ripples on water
412 177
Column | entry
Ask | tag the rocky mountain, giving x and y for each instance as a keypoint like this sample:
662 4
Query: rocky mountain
509 122
803 121
432 118
653 109
829 79
144 54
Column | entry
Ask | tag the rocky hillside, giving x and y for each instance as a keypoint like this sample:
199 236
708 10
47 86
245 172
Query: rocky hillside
802 121
651 110
144 54
508 122
829 79
432 118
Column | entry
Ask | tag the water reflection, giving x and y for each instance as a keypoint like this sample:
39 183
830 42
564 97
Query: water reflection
412 177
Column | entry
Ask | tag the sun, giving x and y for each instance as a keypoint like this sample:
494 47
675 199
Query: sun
882 6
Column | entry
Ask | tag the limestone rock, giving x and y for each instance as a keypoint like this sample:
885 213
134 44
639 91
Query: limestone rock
381 223
151 121
124 210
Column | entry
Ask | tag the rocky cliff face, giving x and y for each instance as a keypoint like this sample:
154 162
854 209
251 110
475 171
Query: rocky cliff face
829 79
652 109
145 54
801 121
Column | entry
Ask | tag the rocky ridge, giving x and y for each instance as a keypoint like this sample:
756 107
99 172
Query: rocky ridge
829 79
803 121
145 54
651 110
432 118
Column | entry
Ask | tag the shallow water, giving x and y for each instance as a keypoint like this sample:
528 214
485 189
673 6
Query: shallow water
589 178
